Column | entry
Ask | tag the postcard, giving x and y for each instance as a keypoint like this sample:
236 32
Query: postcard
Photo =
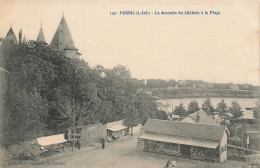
120 83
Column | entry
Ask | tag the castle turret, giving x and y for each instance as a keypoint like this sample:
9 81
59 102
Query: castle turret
41 37
24 39
62 39
20 36
11 36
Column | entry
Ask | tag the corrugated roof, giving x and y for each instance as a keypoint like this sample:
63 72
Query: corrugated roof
62 38
181 140
204 118
186 129
41 37
11 36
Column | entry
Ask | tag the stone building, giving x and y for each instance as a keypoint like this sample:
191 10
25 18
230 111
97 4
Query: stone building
62 39
40 37
234 87
11 36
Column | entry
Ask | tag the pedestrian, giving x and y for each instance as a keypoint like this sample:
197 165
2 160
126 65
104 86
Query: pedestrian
103 142
167 164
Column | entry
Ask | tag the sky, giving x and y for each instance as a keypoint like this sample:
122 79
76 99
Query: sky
214 48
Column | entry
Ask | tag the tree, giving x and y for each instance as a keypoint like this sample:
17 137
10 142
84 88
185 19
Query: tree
257 110
25 109
60 93
132 118
122 71
161 115
72 115
235 109
221 108
193 107
172 82
180 110
158 83
25 116
207 106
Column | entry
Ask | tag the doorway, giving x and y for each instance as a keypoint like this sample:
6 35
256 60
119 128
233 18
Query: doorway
185 151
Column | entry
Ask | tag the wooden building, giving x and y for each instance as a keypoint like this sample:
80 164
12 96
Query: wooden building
192 140
116 130
200 117
89 134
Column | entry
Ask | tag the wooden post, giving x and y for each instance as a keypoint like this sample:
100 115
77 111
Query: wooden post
74 118
220 151
73 142
191 150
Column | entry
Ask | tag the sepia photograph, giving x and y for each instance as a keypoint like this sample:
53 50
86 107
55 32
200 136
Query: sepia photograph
129 84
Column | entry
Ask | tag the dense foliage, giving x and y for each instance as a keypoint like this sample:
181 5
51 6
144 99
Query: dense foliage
47 93
222 108
207 106
235 109
202 93
257 110
167 89
180 110
193 107
198 84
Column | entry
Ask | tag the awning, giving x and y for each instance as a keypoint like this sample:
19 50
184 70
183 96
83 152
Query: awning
181 140
116 127
51 140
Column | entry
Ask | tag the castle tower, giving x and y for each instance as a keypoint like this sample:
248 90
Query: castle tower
41 37
62 39
11 36
20 36
24 39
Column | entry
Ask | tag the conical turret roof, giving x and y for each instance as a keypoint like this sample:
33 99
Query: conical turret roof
62 38
11 36
41 37
24 40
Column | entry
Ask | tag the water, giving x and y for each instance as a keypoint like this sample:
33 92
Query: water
244 102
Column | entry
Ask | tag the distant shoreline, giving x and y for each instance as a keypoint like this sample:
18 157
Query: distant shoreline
202 93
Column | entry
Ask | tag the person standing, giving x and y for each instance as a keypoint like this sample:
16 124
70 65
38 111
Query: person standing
103 142
167 164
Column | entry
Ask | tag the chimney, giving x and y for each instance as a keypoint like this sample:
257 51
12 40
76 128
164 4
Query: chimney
198 117
20 36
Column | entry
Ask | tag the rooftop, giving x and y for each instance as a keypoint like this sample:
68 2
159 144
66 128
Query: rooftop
214 132
41 37
62 38
11 36
204 118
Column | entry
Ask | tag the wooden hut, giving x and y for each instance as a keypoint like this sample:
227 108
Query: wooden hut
89 134
116 130
192 140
